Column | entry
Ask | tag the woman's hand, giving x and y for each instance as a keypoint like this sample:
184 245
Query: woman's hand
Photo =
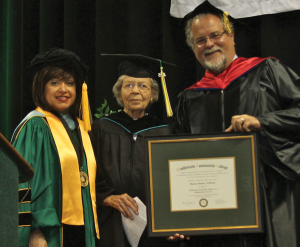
37 239
177 237
122 203
244 123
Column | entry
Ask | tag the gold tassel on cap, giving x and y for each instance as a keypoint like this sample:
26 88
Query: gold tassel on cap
85 108
166 96
226 22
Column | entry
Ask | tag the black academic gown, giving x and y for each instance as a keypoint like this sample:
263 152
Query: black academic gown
271 93
119 150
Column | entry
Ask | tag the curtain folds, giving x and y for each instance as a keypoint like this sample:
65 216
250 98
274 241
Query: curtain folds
10 64
91 27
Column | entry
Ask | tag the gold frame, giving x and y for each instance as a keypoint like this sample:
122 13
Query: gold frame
153 231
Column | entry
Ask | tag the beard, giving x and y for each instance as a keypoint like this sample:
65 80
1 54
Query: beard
215 66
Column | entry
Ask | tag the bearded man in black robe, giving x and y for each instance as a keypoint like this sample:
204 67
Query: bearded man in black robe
243 95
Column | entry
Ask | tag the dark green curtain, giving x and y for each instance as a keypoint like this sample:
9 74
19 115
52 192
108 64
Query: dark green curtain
91 27
10 64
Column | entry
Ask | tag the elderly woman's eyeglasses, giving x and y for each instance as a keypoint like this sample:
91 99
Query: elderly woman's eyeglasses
142 86
214 37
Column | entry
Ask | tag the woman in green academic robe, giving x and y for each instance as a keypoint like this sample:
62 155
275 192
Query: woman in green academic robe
58 206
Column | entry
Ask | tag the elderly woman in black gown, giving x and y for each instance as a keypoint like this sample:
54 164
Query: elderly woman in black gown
119 148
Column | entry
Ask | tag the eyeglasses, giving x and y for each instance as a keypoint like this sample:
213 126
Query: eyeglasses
214 37
142 86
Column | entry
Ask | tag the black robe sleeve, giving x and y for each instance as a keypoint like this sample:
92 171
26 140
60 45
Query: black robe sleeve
103 189
282 127
181 123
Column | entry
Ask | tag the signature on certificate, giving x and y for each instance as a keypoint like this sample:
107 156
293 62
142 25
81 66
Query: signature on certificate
220 201
187 203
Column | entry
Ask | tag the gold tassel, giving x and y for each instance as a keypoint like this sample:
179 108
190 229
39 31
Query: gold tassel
85 108
226 22
166 96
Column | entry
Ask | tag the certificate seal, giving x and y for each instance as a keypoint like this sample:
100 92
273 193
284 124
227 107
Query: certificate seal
203 202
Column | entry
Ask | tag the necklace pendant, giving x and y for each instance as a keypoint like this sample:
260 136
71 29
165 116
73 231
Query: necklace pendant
84 179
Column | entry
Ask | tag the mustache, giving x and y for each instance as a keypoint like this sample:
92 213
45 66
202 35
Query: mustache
212 50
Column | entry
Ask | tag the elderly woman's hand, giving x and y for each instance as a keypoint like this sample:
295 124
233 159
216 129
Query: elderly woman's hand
37 239
122 203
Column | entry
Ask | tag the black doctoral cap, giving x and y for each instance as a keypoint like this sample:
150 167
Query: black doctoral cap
140 66
136 65
60 57
208 8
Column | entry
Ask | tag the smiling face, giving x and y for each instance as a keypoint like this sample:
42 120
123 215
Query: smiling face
60 94
135 100
213 56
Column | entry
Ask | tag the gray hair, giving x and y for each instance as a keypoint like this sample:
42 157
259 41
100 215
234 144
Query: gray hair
188 28
118 86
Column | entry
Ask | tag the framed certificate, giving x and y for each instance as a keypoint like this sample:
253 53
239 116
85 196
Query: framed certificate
203 184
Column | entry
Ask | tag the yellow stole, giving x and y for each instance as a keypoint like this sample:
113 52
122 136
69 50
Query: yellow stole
72 207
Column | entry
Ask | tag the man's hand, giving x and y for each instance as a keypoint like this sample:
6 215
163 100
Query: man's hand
177 237
37 239
122 203
244 123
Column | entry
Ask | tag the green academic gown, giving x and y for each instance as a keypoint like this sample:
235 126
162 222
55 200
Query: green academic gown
43 209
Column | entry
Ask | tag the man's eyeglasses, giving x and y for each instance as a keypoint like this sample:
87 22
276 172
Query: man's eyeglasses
142 87
214 37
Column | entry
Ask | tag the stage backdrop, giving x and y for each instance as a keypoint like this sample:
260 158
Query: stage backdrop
90 27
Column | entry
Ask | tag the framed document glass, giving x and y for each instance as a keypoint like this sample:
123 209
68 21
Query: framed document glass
203 184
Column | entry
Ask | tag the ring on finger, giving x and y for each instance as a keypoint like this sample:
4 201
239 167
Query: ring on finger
242 120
